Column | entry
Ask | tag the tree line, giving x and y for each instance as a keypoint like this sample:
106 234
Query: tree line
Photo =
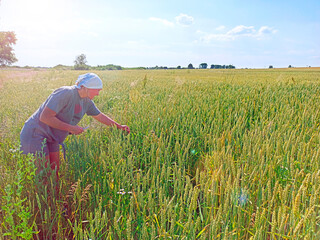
216 66
80 63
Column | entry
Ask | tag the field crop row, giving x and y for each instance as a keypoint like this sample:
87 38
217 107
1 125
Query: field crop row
212 154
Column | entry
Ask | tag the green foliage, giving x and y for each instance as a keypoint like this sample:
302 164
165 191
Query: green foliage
81 62
107 67
203 65
7 56
62 67
135 68
216 66
17 215
190 66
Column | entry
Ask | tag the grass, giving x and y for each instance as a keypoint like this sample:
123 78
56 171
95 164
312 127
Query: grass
212 154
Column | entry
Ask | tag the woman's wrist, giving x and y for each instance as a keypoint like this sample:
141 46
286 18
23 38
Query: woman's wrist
71 128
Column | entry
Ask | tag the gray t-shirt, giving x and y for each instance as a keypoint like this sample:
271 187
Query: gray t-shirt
70 108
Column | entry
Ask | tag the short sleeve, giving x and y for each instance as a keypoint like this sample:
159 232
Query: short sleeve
59 99
92 110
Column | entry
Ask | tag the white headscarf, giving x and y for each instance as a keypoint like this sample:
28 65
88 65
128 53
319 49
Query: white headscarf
89 80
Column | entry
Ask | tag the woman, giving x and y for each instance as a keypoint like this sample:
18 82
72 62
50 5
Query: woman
58 116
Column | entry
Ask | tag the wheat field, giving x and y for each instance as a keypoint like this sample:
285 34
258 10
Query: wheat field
212 154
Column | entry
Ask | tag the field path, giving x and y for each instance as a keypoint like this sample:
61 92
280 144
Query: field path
17 75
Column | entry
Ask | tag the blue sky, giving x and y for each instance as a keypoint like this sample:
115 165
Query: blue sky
247 33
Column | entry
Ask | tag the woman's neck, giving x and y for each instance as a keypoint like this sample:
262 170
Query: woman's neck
82 92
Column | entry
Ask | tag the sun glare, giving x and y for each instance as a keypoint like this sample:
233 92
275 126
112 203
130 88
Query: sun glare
41 14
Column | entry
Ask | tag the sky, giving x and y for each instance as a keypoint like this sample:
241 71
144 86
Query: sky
148 33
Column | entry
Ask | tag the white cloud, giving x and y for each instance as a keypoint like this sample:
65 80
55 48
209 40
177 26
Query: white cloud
162 21
266 30
220 28
237 32
242 30
184 20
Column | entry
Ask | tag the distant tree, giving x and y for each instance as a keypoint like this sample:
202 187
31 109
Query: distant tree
217 66
107 67
62 67
7 39
270 66
290 66
179 67
203 66
230 67
81 62
190 66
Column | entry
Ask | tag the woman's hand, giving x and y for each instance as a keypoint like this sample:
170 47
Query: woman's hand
109 122
124 128
76 130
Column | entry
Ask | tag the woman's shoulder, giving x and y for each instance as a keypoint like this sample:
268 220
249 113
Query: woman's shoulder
68 90
65 89
65 92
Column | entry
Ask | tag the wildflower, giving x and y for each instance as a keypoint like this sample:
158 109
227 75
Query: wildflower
121 192
14 150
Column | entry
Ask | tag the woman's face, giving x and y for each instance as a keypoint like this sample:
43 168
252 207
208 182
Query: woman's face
91 93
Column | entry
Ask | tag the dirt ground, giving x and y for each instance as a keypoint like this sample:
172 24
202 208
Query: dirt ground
17 75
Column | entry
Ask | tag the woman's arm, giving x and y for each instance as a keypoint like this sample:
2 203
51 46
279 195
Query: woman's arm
48 117
109 122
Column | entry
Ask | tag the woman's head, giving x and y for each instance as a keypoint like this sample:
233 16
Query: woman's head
90 81
89 85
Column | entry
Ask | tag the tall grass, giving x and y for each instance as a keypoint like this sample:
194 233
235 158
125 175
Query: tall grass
212 154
